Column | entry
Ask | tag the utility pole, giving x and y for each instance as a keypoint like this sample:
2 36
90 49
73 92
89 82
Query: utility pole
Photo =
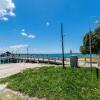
62 42
90 47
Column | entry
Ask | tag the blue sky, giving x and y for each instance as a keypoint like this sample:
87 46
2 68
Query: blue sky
36 23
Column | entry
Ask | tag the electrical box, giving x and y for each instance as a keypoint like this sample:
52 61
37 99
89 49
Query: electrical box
73 61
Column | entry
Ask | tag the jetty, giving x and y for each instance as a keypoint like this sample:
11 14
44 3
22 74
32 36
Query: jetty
8 57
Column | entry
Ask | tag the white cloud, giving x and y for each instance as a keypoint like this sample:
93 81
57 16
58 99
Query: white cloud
6 9
4 18
23 30
47 24
97 22
24 34
11 13
31 36
19 46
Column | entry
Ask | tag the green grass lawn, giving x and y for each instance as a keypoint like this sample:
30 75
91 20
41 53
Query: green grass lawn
56 83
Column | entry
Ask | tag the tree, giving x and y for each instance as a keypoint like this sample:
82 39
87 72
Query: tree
95 36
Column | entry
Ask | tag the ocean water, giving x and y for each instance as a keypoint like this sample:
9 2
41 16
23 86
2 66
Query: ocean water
67 55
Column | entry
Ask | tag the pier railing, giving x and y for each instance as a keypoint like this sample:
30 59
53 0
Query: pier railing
17 58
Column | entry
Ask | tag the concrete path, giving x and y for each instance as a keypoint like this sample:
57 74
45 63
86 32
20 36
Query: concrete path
87 64
10 69
7 94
